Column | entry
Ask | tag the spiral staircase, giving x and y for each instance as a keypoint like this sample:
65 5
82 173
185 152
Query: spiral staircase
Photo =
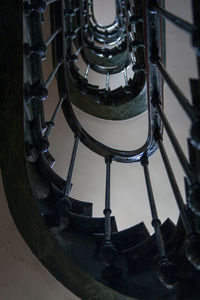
88 254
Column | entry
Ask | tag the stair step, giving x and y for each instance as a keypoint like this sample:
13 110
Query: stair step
90 225
48 173
127 238
48 205
148 248
51 161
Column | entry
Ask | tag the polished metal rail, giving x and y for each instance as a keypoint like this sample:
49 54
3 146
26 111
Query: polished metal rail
67 34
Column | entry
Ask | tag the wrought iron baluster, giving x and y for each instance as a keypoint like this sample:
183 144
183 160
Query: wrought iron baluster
38 6
41 48
79 50
175 188
52 37
51 76
77 29
107 81
108 250
107 210
42 18
87 71
174 19
195 35
67 188
180 154
52 121
71 12
155 220
175 89
166 271
92 39
192 247
133 58
125 77
131 36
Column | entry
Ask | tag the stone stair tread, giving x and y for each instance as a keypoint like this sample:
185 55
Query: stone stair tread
79 207
148 248
89 224
48 173
127 238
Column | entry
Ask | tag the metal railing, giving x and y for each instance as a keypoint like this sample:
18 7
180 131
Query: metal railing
64 33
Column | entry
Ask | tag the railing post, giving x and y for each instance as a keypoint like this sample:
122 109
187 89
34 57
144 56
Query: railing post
71 167
38 6
166 271
179 152
109 252
107 210
50 124
51 76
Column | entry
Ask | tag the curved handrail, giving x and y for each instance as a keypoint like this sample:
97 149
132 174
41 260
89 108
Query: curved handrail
153 49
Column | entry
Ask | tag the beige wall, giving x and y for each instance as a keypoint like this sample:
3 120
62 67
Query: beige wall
22 276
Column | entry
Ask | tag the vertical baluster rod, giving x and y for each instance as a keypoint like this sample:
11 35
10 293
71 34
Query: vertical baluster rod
125 76
51 76
107 210
92 39
133 59
175 188
155 220
79 50
184 25
50 39
117 43
87 71
175 143
107 81
51 123
131 36
177 92
71 167
39 6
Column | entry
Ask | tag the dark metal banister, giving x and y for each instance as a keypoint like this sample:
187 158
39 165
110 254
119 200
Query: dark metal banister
107 210
93 144
119 155
179 152
166 271
192 244
51 76
67 188
155 220
88 61
176 90
175 188
100 31
153 58
174 19
39 6
52 37
108 250
53 118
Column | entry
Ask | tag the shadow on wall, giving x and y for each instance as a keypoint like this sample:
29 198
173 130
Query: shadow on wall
22 276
